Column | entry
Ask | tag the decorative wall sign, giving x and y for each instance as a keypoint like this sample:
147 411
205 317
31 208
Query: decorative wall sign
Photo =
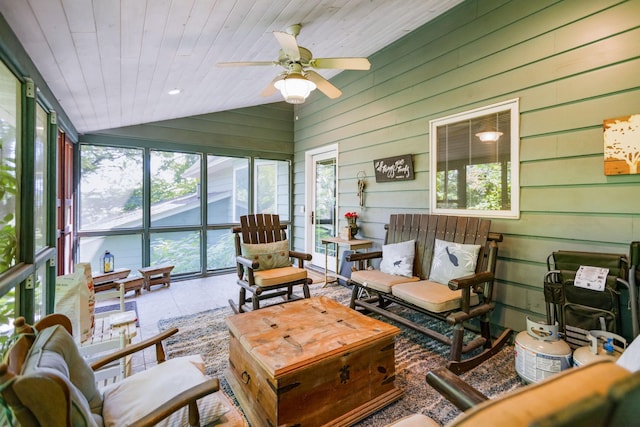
622 145
399 168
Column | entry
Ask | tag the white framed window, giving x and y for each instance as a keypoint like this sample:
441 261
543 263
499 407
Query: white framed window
475 162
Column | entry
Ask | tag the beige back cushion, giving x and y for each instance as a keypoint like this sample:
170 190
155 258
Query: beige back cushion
269 255
54 352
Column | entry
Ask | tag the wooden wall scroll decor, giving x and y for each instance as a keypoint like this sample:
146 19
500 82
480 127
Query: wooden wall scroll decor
622 145
398 168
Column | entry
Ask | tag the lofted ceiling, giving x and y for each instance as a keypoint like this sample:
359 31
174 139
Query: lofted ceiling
111 63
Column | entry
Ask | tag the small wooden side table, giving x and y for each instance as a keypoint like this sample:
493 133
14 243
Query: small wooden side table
353 244
156 275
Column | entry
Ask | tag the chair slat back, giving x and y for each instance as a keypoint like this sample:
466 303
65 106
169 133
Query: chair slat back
261 228
426 228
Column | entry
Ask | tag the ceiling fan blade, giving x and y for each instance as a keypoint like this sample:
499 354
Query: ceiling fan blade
245 63
341 63
323 84
271 89
288 44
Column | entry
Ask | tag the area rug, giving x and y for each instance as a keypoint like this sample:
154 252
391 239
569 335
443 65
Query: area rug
128 306
206 334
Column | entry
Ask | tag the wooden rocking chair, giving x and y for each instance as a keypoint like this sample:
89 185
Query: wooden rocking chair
457 301
264 262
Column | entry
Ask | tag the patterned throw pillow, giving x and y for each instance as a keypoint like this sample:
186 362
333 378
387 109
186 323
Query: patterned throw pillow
397 258
269 255
452 260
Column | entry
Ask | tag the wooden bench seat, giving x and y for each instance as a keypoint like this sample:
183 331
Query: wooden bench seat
456 301
132 284
106 281
156 275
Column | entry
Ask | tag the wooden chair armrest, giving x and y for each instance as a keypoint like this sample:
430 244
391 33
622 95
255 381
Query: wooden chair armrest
133 348
187 397
362 256
455 390
52 320
300 255
470 280
495 237
247 262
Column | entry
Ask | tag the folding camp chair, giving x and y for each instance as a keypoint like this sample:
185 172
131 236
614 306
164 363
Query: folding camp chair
579 309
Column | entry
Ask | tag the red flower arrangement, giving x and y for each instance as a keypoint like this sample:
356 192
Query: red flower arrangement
353 215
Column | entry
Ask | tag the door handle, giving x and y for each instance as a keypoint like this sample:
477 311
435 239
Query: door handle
313 217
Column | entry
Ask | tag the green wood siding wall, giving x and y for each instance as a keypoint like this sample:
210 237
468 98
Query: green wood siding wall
261 131
572 64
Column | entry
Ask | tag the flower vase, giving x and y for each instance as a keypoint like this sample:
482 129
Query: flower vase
353 227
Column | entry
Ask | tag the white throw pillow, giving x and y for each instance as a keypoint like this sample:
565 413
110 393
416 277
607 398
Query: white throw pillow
452 260
397 258
133 397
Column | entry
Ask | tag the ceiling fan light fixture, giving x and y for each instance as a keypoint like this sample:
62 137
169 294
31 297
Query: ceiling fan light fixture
489 136
295 88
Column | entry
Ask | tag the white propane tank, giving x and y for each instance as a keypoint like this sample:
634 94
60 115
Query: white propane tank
602 346
540 353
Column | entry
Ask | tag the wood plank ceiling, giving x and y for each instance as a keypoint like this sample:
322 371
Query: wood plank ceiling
110 63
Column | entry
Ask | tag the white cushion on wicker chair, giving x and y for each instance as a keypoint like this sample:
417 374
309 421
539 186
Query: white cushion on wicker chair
135 396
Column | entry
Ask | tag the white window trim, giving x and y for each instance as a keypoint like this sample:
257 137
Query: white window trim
514 212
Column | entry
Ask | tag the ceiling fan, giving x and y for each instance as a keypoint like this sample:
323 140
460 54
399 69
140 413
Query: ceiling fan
298 78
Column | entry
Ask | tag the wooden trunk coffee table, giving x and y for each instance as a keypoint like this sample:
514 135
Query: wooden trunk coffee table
310 362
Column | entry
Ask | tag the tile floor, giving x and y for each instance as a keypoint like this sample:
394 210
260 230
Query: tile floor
179 299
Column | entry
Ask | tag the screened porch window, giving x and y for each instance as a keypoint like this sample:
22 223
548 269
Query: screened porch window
272 187
149 206
110 187
474 163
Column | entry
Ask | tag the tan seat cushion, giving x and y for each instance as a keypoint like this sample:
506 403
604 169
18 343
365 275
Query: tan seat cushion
432 296
520 407
379 281
275 276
